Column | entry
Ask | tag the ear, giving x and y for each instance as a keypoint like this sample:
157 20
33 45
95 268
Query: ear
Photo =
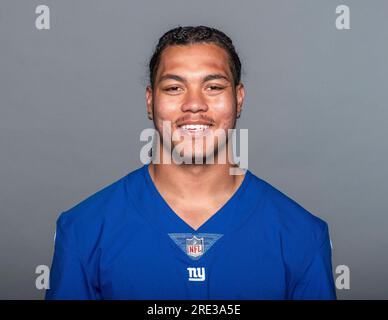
240 94
149 100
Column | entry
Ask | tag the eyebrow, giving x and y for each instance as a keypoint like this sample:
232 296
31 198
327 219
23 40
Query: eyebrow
209 77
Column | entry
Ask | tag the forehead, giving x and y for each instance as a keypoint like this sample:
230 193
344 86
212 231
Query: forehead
194 58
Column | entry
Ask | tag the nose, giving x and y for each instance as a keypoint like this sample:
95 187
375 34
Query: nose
194 102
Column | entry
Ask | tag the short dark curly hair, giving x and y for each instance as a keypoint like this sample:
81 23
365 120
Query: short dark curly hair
191 35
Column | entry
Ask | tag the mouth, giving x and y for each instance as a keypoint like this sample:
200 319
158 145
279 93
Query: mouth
195 129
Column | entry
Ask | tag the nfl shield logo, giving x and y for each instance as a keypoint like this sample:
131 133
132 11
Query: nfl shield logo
195 247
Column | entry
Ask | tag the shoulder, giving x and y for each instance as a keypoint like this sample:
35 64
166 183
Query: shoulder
99 204
289 215
300 233
85 221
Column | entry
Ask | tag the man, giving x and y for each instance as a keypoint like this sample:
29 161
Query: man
189 230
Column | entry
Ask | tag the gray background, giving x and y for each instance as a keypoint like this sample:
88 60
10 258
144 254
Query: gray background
73 105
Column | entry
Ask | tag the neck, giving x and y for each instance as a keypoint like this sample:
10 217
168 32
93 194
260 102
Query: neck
195 181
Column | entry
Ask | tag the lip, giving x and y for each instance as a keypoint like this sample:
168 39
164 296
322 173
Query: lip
194 122
195 133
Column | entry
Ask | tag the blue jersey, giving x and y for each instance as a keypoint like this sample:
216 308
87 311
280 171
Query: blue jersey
125 242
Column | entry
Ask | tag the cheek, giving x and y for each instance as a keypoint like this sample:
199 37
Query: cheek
224 113
165 110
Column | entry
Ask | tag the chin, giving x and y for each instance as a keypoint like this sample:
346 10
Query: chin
205 156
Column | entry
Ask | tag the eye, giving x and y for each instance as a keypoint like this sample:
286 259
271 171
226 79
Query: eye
172 89
215 88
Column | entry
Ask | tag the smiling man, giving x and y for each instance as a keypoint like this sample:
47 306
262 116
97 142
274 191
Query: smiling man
189 229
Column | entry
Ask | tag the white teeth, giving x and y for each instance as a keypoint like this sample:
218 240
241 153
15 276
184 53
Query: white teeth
195 127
